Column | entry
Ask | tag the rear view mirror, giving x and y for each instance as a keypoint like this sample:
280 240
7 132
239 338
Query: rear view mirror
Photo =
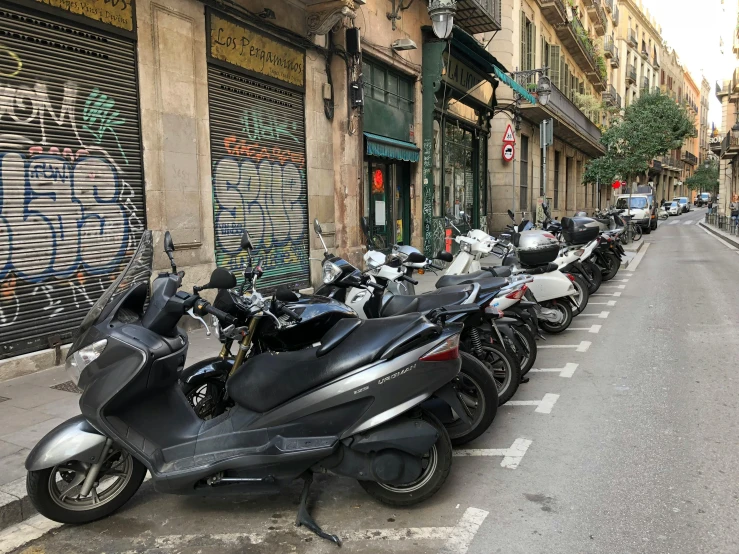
415 258
444 256
168 243
221 279
246 241
284 294
512 215
364 225
317 227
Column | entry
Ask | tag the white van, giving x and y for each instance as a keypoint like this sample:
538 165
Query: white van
640 210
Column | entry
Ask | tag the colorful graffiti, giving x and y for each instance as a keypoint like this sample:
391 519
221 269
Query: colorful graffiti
69 216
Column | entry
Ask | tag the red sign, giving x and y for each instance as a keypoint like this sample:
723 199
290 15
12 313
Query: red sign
508 151
616 184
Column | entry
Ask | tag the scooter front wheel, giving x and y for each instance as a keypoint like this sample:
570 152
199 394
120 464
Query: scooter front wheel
436 464
563 307
505 368
56 492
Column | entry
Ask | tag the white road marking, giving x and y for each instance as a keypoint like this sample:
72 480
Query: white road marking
592 329
601 315
511 456
688 223
567 371
618 281
722 241
582 347
543 406
610 303
17 535
637 260
465 531
614 286
616 294
674 222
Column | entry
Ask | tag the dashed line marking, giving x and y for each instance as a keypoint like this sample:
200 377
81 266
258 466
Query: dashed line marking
543 406
614 286
616 294
610 303
511 456
601 315
582 347
567 371
592 329
688 223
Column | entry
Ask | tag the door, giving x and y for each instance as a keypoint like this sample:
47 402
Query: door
387 202
71 184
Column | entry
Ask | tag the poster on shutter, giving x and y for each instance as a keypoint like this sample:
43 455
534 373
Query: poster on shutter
118 13
71 188
245 48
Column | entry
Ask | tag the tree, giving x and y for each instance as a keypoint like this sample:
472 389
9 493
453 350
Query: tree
650 127
705 179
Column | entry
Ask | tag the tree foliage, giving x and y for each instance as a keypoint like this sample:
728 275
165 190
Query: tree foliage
704 179
650 127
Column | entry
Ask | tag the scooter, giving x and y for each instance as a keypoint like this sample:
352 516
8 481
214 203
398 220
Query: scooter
350 407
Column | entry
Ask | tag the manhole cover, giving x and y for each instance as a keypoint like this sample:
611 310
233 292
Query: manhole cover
68 386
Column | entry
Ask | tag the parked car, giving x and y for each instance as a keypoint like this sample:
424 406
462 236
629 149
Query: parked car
640 209
684 203
702 199
675 208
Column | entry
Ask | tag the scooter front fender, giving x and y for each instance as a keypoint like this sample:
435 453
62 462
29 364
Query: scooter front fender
210 368
75 439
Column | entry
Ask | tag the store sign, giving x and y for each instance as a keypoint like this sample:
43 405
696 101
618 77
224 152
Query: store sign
244 47
118 13
463 78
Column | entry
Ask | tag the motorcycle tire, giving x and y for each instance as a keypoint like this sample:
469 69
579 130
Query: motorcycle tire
581 300
614 264
438 463
475 386
595 275
562 306
528 340
505 369
637 233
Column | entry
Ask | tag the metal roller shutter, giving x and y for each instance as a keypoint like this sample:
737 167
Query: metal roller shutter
259 184
71 187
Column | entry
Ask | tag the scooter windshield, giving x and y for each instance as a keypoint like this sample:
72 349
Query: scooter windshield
137 271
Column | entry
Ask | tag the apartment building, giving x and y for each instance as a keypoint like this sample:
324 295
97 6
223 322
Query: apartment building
703 128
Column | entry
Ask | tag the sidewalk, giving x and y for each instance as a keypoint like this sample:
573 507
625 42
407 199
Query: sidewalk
733 240
32 405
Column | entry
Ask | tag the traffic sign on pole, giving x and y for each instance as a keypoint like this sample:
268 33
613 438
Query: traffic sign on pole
508 151
509 135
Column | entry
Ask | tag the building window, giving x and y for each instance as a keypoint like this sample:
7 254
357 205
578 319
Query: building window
556 180
524 167
528 44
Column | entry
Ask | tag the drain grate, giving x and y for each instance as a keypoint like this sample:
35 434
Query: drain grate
68 386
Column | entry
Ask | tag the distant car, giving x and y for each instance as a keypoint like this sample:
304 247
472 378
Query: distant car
684 204
702 199
675 208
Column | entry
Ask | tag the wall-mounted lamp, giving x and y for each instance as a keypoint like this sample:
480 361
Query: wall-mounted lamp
395 14
441 13
403 44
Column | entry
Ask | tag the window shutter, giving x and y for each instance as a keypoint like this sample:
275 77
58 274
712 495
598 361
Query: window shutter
533 47
553 64
523 41
566 78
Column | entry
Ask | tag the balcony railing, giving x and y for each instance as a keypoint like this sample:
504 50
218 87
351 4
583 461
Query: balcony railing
608 46
609 6
631 38
576 41
616 15
655 61
615 62
689 158
478 16
611 97
645 83
730 145
630 75
554 11
644 51
597 16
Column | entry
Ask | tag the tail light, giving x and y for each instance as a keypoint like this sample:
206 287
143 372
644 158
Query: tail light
579 253
447 350
570 276
517 294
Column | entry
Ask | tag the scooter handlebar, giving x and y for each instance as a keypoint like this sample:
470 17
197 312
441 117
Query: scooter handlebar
202 308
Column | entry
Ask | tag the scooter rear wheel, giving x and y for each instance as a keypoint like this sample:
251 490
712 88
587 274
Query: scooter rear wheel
55 491
595 274
614 264
436 466
562 306
505 369
581 300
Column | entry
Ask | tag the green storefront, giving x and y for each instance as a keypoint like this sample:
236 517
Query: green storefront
458 102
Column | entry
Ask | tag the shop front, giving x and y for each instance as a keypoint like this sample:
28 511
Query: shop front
458 105
388 153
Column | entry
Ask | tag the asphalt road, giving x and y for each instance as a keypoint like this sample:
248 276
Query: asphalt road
639 453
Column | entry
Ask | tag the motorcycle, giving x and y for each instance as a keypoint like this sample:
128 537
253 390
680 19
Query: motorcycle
351 406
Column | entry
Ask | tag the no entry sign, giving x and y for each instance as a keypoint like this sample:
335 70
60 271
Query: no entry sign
508 151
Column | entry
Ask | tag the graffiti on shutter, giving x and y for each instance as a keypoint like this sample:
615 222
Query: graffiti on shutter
71 199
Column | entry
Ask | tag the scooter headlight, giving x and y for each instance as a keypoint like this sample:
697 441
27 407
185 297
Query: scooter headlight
465 247
79 360
331 272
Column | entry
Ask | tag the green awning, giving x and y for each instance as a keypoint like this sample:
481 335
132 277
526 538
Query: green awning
386 147
508 80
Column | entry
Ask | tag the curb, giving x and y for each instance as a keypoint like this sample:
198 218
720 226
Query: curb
635 252
733 242
15 506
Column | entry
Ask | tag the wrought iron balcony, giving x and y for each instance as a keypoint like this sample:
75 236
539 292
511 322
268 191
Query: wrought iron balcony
644 51
615 15
631 38
608 46
598 17
615 62
478 16
630 75
730 145
690 158
554 11
576 41
611 97
645 83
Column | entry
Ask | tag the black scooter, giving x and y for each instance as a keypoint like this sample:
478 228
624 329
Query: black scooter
350 406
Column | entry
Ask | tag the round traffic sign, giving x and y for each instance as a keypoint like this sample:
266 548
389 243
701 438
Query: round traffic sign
508 151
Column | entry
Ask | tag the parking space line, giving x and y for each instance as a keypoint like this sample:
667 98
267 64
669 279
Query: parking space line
511 456
592 329
610 303
601 315
582 347
614 286
567 371
616 294
543 406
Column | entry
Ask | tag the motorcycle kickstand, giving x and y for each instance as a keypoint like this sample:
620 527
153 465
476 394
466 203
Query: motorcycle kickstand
304 518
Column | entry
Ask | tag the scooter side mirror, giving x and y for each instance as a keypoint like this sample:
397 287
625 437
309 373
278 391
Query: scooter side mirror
317 227
444 256
168 243
221 279
416 258
512 215
246 241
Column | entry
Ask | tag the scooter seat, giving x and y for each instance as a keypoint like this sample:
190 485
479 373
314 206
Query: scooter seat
484 278
270 379
499 271
406 303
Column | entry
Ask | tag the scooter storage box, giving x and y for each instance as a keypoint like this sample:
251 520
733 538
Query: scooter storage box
537 248
579 230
